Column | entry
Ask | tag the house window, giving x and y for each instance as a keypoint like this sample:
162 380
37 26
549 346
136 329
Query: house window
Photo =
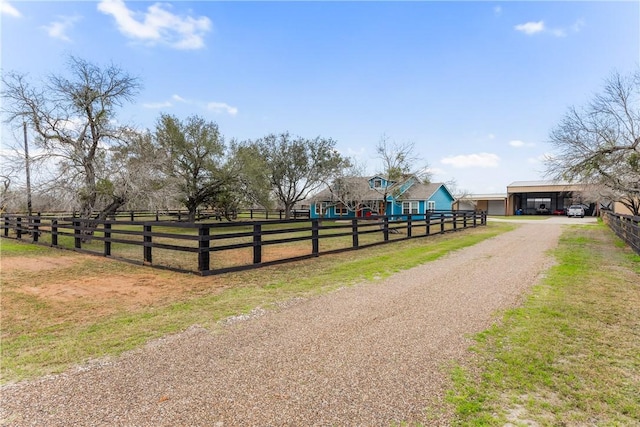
341 209
377 183
409 208
431 205
320 208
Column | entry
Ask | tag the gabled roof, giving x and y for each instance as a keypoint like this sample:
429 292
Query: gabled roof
420 191
361 187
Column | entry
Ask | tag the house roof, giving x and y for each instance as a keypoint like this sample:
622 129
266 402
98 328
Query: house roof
361 187
536 183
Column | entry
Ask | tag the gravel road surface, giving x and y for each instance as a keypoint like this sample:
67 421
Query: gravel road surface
374 354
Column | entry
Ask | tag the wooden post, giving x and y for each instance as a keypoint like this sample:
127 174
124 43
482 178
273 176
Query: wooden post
19 228
315 237
257 243
76 232
427 218
6 227
36 226
148 258
54 232
455 221
464 219
441 223
475 219
409 226
354 231
107 239
157 216
132 216
385 228
203 248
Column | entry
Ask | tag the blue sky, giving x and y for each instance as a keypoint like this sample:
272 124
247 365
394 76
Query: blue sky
477 86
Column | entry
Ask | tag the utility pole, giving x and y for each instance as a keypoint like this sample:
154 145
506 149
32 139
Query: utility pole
26 162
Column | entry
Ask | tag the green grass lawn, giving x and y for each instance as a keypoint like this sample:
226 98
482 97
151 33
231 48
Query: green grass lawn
570 356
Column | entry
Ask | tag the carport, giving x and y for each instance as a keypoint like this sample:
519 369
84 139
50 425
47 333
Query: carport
544 197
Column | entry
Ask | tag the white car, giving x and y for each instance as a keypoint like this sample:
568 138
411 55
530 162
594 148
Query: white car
575 210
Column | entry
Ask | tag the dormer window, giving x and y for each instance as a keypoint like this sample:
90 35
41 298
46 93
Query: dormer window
377 183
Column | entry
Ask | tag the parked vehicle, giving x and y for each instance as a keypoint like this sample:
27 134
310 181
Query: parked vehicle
560 211
575 210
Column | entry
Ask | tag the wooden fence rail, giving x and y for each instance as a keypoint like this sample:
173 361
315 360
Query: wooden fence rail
626 227
182 215
218 247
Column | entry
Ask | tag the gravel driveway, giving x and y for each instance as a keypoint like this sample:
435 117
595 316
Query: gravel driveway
368 355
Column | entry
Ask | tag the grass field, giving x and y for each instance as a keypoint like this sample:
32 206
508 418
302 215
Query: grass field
570 356
60 308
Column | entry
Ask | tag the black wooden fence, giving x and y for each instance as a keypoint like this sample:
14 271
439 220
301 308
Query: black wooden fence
626 227
182 215
218 247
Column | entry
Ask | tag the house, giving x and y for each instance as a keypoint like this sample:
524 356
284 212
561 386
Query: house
354 197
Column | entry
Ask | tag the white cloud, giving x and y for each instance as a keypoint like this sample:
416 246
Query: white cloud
158 25
155 105
531 27
219 107
58 29
7 9
178 98
519 144
497 10
480 160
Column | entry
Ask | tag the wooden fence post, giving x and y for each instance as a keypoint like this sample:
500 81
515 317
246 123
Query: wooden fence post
6 227
427 218
354 233
385 228
455 221
19 227
148 242
36 232
107 239
54 232
132 216
257 243
475 219
77 241
464 220
315 237
203 248
441 223
409 226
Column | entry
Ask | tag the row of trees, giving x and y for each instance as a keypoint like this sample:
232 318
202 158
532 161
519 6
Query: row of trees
100 165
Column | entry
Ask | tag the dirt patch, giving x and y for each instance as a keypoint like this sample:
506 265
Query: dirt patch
41 263
137 289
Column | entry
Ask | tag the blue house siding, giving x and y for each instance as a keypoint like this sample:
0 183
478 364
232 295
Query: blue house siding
441 200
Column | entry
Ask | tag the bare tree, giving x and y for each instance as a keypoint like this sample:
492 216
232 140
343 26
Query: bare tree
399 162
74 119
599 144
350 190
